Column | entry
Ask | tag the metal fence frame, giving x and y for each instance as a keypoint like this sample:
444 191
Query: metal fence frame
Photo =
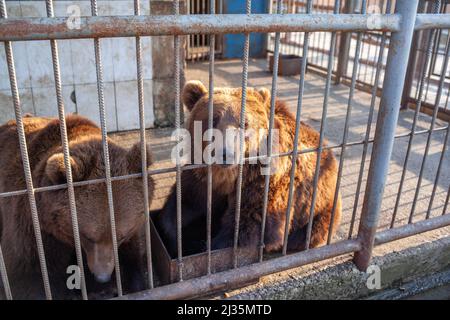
401 24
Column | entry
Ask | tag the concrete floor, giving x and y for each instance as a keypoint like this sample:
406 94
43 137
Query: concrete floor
228 73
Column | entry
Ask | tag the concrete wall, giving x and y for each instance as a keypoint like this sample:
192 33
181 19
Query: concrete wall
35 72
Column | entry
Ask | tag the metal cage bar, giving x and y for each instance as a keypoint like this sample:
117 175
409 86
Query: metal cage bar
26 159
66 155
241 138
106 160
385 130
140 89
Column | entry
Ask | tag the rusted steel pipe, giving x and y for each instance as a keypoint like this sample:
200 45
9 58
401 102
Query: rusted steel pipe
14 29
228 279
412 229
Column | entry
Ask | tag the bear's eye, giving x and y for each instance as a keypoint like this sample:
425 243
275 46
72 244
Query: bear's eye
246 124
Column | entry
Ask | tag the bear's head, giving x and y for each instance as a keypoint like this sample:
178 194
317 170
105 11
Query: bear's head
226 123
92 203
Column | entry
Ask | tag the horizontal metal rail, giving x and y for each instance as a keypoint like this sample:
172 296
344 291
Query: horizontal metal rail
226 279
432 21
20 29
197 166
412 229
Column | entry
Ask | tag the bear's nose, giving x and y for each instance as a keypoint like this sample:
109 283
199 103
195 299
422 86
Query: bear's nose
102 277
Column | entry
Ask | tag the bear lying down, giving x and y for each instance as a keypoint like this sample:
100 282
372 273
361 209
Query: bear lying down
226 113
47 167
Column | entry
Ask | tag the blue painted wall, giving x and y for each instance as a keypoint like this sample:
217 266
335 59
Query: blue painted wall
233 44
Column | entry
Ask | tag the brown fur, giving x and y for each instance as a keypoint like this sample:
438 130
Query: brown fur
47 167
227 108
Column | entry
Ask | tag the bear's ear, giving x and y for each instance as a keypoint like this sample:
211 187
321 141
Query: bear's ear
135 160
55 169
265 94
192 92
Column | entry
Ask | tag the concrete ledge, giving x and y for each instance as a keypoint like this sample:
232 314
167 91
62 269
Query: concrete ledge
339 279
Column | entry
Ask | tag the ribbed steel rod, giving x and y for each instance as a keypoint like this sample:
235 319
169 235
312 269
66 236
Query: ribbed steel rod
356 65
323 125
176 11
106 160
276 56
4 275
145 192
301 89
212 44
66 155
25 159
241 140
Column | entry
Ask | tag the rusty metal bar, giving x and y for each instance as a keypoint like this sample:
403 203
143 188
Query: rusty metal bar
241 139
356 65
177 47
276 56
19 29
4 276
212 42
323 124
301 89
140 89
227 279
385 130
412 229
25 159
66 155
106 161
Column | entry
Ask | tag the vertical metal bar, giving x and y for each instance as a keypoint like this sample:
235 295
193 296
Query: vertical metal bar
4 275
66 154
444 211
438 172
210 127
25 159
276 56
323 124
241 139
176 11
140 87
430 133
301 88
344 46
369 125
101 105
385 130
346 125
428 54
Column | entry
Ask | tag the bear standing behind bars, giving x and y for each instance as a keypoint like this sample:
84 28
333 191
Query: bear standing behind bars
47 168
226 113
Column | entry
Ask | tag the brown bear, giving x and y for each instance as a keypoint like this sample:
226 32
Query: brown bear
47 168
226 113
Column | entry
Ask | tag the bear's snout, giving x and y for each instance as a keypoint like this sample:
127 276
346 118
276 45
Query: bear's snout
100 259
